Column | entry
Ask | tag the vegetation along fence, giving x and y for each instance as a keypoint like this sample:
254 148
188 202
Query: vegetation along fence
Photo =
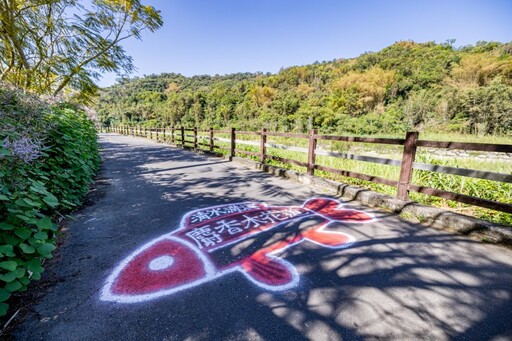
226 140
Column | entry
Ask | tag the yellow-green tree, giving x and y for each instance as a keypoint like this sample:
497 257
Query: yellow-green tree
62 46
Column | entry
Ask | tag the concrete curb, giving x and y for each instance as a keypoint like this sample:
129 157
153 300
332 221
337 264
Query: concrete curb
426 215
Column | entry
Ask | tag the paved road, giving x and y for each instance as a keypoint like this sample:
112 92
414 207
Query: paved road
397 281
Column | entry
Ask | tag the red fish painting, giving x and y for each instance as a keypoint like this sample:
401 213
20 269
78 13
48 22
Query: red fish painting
197 252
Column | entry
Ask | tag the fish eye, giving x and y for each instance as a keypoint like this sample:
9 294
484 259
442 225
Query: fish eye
161 263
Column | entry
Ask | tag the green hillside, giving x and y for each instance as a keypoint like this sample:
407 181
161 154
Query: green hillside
429 87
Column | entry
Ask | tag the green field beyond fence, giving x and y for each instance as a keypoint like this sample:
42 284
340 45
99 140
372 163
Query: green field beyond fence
469 178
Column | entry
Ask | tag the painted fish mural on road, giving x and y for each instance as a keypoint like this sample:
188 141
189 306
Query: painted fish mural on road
202 248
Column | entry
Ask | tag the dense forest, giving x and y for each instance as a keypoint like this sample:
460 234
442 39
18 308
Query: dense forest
408 85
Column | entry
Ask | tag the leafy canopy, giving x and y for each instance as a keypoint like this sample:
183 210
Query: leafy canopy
62 46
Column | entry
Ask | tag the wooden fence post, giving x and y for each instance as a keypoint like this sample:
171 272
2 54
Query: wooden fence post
311 152
182 137
406 167
233 144
195 138
263 148
211 140
172 134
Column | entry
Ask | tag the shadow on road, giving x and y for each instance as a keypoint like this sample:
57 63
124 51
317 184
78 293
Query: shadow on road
399 280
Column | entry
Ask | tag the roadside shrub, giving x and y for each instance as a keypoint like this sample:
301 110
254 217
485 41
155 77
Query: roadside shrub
48 156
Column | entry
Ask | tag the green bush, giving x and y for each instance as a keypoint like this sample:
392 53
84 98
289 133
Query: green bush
48 157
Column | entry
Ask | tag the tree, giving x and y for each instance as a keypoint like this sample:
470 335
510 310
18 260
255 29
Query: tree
56 46
430 87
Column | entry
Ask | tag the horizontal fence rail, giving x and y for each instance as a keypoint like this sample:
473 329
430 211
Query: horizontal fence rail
228 143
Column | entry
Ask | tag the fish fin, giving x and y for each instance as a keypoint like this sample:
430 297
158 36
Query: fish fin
330 209
270 272
330 239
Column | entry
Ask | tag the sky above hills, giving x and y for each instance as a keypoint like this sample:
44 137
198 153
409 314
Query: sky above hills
228 36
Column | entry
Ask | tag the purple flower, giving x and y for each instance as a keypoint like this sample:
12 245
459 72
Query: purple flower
25 149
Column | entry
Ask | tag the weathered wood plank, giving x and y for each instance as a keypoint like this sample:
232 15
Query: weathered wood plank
466 199
502 177
357 175
302 136
486 147
360 139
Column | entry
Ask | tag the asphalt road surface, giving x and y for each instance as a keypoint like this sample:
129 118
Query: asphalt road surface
180 246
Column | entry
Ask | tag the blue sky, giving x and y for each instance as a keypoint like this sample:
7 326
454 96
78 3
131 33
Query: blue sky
227 36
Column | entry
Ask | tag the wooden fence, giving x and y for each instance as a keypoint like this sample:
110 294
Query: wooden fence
411 142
